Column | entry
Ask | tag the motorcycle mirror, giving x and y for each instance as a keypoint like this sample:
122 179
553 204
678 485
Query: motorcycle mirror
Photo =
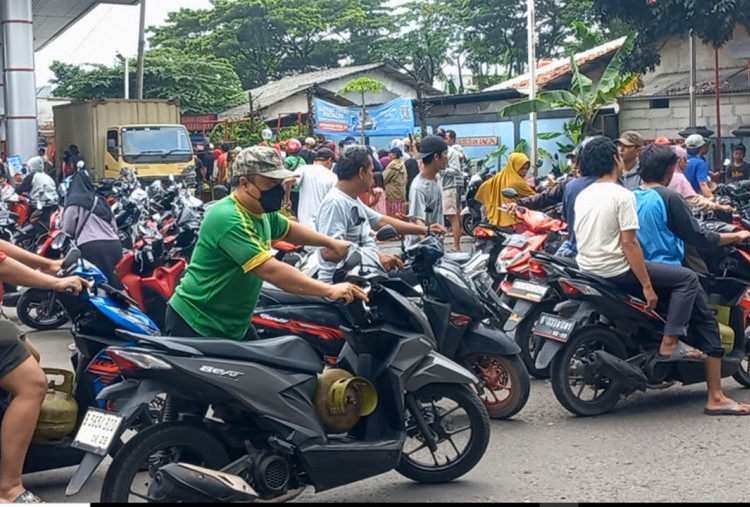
510 193
71 259
351 260
386 233
59 242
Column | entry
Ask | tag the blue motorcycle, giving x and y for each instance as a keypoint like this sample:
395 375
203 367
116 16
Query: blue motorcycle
96 313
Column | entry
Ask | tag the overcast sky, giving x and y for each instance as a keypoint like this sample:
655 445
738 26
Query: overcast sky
105 30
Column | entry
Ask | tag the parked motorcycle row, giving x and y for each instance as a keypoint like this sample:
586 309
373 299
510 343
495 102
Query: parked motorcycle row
406 381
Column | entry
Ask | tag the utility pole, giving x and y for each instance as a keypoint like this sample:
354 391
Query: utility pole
141 44
532 83
126 83
693 115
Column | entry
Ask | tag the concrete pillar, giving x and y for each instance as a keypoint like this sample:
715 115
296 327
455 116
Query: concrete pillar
3 131
20 85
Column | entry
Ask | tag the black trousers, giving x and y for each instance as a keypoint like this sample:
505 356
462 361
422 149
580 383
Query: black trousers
105 255
687 304
175 325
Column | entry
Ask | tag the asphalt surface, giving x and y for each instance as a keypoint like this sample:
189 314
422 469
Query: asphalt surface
656 446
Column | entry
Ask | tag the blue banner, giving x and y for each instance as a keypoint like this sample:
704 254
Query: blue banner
394 118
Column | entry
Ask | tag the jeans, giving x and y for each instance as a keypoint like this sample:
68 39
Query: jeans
687 304
175 325
566 250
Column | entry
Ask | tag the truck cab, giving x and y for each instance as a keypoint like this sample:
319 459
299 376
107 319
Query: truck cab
154 151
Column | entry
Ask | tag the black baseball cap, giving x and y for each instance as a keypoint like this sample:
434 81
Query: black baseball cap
324 153
430 145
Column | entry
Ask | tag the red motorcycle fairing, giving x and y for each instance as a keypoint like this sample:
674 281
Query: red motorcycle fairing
163 280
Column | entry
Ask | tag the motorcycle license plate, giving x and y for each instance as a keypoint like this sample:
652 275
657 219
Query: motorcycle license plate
554 327
530 291
97 431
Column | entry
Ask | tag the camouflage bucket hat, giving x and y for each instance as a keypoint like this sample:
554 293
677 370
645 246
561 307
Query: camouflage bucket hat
261 160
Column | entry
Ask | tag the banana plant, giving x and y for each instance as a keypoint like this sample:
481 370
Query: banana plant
583 97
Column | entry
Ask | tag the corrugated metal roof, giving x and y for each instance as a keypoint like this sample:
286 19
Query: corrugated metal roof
276 91
53 17
676 84
559 67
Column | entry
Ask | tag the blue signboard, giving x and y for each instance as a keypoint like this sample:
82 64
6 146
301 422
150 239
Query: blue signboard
14 162
394 118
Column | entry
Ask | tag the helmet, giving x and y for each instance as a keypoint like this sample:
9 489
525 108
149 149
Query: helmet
293 146
662 140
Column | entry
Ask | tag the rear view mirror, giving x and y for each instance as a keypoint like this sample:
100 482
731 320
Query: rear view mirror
351 260
510 193
386 233
71 259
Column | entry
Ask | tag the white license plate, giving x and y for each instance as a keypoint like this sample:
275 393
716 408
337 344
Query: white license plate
524 289
97 431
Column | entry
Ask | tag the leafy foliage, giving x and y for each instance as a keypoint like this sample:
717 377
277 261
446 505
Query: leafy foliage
202 83
712 21
584 98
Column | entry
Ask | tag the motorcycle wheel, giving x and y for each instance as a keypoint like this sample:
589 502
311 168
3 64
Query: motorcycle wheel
154 447
437 403
531 345
32 310
467 224
506 383
743 374
567 367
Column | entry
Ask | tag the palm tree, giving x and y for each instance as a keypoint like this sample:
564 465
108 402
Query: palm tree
585 99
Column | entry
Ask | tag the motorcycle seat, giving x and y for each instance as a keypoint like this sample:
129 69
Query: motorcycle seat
458 257
283 297
545 257
287 352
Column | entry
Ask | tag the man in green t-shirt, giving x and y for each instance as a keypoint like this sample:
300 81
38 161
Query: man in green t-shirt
217 295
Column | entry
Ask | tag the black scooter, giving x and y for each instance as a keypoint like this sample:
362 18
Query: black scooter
454 303
601 342
280 422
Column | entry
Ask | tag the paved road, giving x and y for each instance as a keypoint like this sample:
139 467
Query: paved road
654 447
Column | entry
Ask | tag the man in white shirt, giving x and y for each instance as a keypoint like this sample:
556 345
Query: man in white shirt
605 229
315 181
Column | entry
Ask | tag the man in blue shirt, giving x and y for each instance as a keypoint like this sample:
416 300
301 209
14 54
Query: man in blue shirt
696 170
666 225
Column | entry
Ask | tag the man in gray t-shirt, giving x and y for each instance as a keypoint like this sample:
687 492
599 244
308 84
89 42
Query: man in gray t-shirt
343 216
426 194
425 203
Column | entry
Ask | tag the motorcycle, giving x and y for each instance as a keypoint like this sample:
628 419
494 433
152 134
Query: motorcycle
603 340
393 405
449 298
96 312
471 214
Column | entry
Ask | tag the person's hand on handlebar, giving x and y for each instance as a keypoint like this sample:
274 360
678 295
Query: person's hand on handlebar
74 283
391 262
511 208
53 267
437 229
346 292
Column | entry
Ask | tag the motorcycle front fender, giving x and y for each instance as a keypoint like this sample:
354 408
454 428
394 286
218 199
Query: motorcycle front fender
135 397
488 340
520 310
437 369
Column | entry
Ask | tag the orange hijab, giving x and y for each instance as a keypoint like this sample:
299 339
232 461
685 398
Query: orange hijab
490 192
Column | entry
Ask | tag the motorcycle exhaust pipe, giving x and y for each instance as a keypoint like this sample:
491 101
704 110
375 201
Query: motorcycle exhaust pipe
603 364
183 482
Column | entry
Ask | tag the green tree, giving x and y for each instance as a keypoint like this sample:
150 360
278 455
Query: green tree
584 98
269 39
203 84
712 21
362 85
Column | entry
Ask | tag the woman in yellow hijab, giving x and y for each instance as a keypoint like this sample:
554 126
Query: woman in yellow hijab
511 176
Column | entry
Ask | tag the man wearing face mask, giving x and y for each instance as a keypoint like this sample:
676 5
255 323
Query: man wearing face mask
218 293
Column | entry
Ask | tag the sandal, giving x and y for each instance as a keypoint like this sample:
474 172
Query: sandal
727 410
679 353
27 497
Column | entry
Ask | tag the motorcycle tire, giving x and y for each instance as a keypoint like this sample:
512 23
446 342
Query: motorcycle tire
491 368
524 337
560 368
743 374
476 447
28 305
468 225
204 450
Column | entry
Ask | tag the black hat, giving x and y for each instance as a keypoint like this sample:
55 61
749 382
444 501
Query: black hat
431 145
324 153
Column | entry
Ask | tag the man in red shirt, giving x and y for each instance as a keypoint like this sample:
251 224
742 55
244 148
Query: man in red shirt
20 373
